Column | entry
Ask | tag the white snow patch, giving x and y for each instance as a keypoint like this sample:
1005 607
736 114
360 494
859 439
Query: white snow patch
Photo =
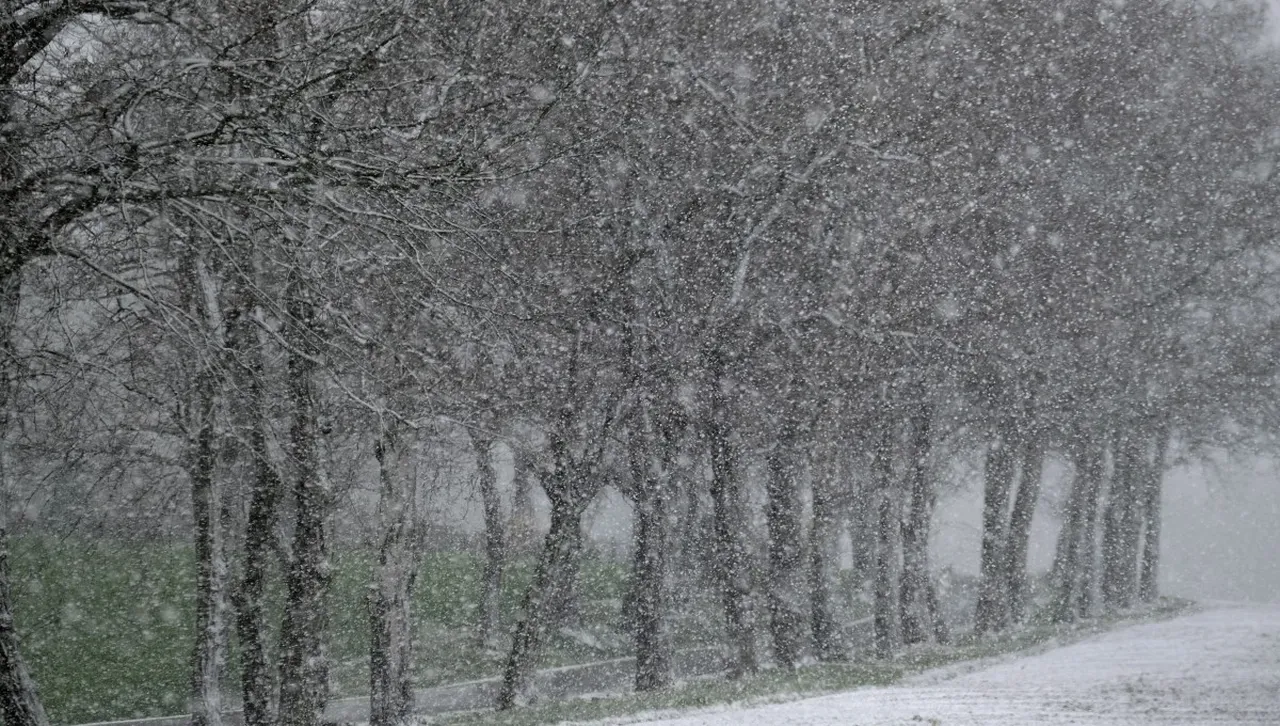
1221 666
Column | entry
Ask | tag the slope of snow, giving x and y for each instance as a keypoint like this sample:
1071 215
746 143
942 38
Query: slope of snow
1221 666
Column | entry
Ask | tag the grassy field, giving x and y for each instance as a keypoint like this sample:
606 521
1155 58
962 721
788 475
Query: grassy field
106 626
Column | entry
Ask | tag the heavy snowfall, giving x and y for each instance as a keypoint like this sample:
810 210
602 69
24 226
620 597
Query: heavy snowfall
520 361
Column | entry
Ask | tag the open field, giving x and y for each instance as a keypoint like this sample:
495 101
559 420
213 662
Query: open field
107 626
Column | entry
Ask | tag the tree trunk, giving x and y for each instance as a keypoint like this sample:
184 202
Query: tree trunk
887 575
786 552
304 669
257 678
653 651
208 658
1075 561
828 638
20 704
941 631
993 597
653 453
917 616
732 558
548 594
1024 507
1148 575
862 531
495 543
209 654
391 644
1121 531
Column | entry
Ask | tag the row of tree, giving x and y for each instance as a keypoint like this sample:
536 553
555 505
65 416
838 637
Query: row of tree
274 254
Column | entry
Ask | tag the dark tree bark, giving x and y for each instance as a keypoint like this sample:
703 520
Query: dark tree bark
653 452
1120 538
786 551
208 657
1075 561
253 628
391 642
828 637
993 596
731 552
887 575
919 617
209 652
862 519
1024 507
304 671
650 597
20 704
495 543
551 589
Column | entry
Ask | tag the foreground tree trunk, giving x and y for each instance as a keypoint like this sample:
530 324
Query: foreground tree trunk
391 644
304 672
828 639
551 589
210 643
209 654
1075 562
920 615
495 543
20 704
732 557
786 550
1121 533
653 452
887 575
253 627
650 597
1024 507
993 597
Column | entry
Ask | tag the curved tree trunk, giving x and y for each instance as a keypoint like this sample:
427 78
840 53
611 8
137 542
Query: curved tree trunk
548 594
20 704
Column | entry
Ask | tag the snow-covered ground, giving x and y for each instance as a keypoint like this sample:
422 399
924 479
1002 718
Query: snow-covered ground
1219 666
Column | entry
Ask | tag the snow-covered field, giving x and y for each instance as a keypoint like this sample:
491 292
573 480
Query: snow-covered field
1220 666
